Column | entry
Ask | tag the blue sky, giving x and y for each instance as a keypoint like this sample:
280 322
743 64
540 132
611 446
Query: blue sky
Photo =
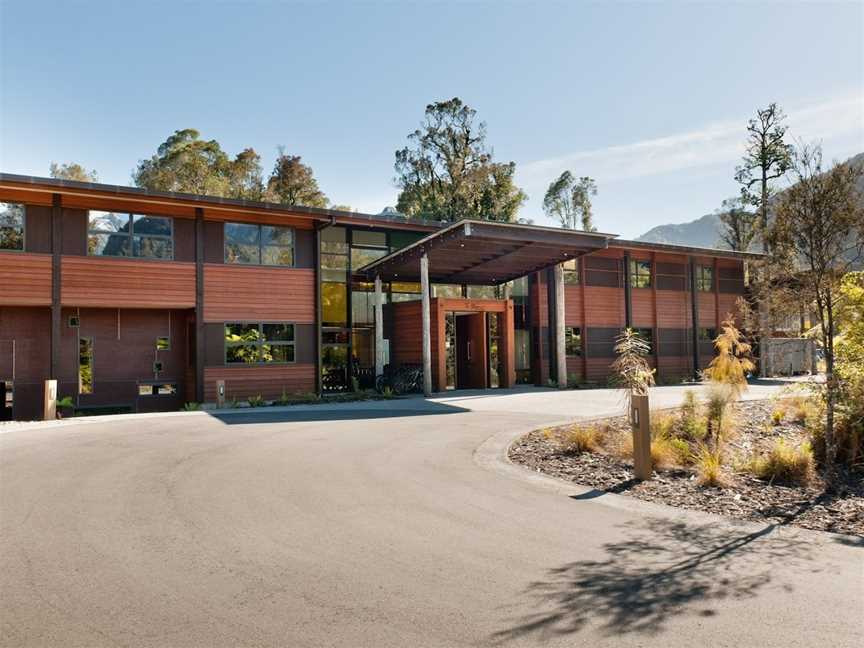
650 99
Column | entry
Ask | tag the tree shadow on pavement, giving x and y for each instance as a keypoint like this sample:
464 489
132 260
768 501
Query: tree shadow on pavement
659 569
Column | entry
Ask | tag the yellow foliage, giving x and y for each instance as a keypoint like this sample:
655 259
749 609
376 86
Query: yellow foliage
784 463
581 439
709 466
731 364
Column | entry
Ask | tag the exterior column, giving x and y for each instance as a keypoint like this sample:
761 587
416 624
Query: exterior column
628 292
379 327
427 329
560 345
56 304
199 305
694 318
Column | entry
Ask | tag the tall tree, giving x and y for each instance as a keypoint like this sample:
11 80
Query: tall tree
245 176
817 235
185 163
72 171
293 183
767 157
738 225
569 200
447 172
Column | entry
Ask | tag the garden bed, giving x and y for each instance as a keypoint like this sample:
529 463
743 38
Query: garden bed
744 496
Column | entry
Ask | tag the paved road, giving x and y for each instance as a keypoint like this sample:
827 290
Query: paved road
382 524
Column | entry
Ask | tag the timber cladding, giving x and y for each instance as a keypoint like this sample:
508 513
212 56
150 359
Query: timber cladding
270 382
26 279
122 283
249 293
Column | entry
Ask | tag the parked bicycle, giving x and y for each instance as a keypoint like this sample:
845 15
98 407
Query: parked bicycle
405 379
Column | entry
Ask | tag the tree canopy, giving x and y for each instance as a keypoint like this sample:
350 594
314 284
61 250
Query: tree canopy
569 200
447 172
292 183
738 225
72 171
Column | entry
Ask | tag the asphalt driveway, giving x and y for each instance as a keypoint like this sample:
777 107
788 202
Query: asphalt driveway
383 524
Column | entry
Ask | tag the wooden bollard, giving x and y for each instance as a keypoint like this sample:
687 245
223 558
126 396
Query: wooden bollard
49 408
640 421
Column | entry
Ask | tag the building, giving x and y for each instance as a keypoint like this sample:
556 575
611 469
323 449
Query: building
144 301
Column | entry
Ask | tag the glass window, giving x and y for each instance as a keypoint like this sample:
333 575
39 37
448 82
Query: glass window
85 365
130 235
404 291
707 334
571 272
334 304
704 278
259 244
482 292
447 290
363 302
363 256
573 340
369 239
256 343
334 240
640 273
11 226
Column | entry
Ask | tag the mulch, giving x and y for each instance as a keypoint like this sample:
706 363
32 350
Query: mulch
745 496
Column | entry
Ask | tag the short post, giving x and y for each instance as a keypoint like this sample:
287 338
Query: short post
379 327
220 393
427 329
640 421
49 408
560 343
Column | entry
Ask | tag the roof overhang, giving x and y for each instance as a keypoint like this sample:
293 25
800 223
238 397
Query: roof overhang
486 253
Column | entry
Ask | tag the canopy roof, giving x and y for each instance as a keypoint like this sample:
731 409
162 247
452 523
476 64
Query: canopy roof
485 253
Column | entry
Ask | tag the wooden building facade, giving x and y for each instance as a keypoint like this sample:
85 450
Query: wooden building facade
143 301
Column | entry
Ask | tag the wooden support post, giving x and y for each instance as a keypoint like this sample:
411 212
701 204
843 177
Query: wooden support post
379 327
199 305
560 345
427 330
56 302
640 420
49 409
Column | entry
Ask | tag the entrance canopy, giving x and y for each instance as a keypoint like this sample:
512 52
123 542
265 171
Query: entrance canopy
485 253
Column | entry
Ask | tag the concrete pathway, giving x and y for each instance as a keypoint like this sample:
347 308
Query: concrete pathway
389 523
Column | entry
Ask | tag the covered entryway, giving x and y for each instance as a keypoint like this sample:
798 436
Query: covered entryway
481 253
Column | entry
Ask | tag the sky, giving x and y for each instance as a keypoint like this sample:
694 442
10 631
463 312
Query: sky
650 99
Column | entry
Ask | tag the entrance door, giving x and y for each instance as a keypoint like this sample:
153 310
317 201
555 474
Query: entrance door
471 354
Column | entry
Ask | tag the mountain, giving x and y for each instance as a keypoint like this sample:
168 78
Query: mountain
702 232
705 231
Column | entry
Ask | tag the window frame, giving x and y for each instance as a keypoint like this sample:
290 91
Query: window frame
261 245
637 278
568 334
259 343
23 227
701 269
130 236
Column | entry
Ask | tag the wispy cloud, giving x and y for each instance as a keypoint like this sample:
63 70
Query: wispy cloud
722 142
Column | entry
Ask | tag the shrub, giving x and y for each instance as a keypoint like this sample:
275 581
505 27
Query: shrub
783 463
692 425
256 401
720 395
683 453
191 407
709 467
662 426
778 415
581 439
803 408
663 453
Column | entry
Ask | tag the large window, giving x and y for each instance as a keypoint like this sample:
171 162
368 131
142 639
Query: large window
85 365
704 278
11 226
640 274
571 272
259 244
259 342
130 235
573 340
367 247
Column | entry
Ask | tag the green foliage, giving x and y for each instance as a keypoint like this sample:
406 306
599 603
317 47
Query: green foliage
447 172
191 407
256 401
739 225
387 393
293 183
355 385
784 464
569 200
693 425
72 171
630 369
65 402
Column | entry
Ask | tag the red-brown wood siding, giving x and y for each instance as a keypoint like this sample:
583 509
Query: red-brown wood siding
234 292
122 283
270 382
26 279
